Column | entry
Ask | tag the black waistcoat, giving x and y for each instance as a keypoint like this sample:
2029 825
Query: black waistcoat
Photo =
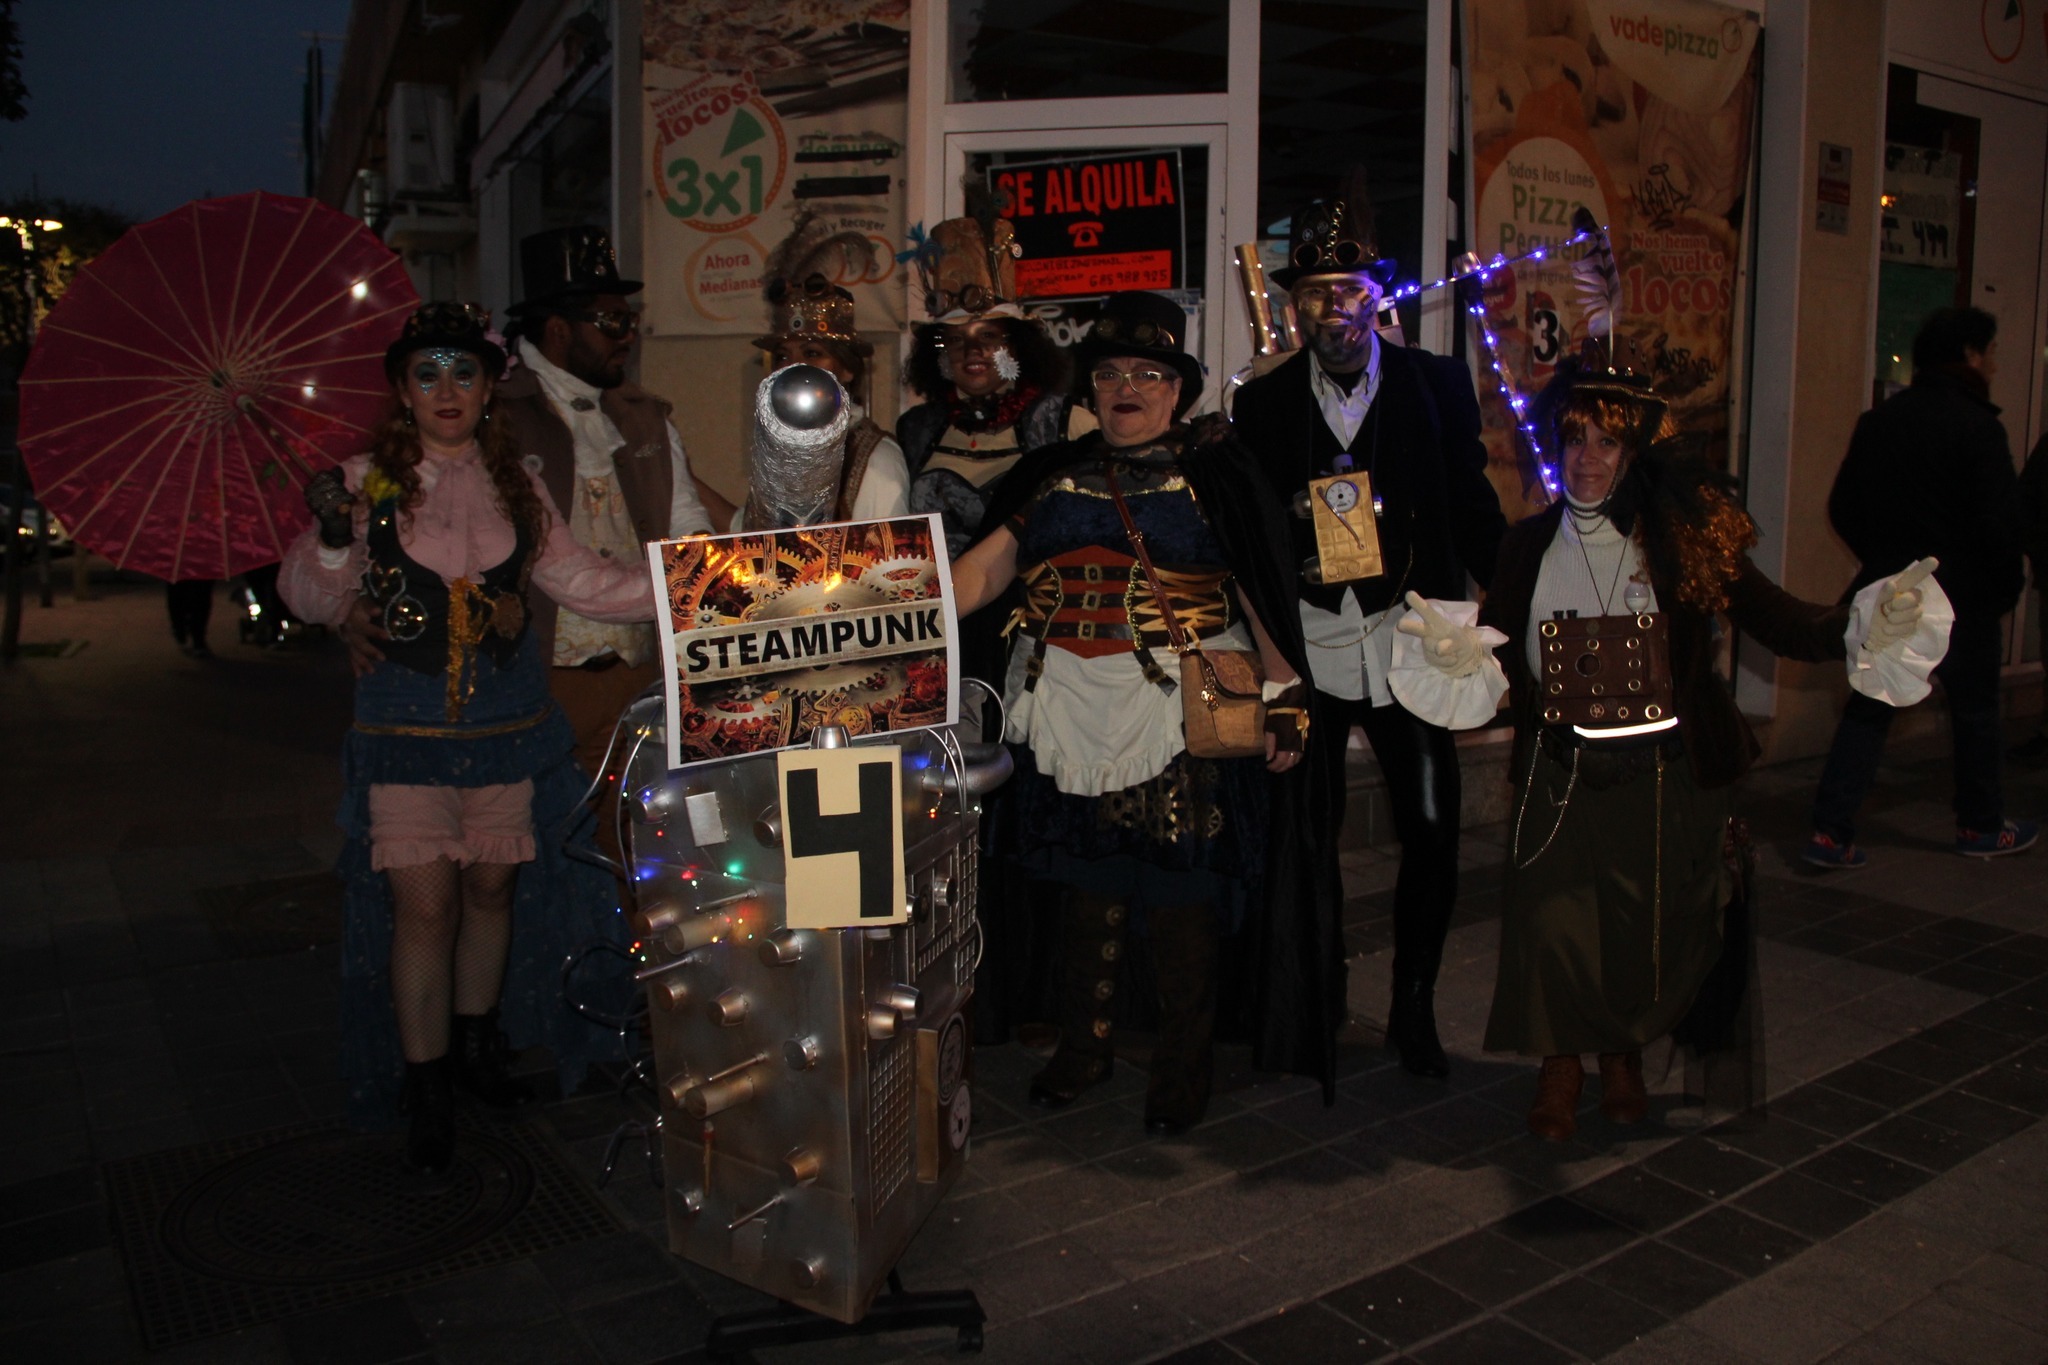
417 606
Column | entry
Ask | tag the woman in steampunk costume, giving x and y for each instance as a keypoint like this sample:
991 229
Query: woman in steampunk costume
994 385
1625 915
458 753
814 325
1129 542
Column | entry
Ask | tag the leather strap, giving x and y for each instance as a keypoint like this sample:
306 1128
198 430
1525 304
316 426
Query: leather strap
1177 636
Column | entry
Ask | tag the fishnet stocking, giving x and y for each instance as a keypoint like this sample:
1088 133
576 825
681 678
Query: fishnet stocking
450 930
485 935
425 906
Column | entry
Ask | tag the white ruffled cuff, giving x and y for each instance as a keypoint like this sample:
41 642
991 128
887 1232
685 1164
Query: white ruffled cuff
1898 675
1432 694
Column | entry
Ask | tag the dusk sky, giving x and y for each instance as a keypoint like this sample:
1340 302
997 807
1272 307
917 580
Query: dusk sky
143 104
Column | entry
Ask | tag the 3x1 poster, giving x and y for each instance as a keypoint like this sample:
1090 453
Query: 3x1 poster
769 635
1641 112
775 131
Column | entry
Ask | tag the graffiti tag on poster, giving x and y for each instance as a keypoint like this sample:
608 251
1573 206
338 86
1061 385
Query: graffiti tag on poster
769 635
1639 112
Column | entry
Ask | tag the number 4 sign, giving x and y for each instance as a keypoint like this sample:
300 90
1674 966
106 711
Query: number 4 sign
842 836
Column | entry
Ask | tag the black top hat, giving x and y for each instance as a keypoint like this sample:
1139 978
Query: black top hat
563 262
1149 326
1332 237
446 326
1591 373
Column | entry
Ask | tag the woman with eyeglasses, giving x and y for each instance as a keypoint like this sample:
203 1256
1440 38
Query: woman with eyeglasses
444 531
1145 835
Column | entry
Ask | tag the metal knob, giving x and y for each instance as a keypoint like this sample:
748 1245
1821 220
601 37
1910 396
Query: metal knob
801 1054
768 827
893 1007
715 1097
781 949
669 992
801 1165
730 1007
691 1202
808 1271
942 894
696 932
652 921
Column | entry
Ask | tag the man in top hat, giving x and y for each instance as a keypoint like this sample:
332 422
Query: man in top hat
1408 420
611 461
813 325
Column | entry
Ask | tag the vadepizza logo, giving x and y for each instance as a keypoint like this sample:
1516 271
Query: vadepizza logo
1674 40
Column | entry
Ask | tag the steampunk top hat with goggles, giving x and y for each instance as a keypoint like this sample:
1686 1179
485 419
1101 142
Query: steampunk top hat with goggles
1334 237
446 327
812 307
970 272
563 264
1595 374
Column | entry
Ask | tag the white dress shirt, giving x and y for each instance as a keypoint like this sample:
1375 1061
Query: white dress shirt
1349 652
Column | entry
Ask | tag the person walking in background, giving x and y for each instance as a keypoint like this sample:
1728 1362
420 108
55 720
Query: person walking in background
1929 473
191 604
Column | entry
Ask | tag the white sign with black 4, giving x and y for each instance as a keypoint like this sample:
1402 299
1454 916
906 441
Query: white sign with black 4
842 837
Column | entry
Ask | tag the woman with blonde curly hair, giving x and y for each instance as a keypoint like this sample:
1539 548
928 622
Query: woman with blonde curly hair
443 529
1624 876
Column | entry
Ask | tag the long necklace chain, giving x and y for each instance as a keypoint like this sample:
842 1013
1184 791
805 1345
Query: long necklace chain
1579 536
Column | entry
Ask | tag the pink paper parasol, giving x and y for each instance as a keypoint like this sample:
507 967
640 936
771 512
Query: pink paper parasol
199 371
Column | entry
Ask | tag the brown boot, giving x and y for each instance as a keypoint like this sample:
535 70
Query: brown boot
1184 954
1555 1115
1622 1098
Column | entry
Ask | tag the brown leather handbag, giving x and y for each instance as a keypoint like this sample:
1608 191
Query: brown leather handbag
1605 672
1223 714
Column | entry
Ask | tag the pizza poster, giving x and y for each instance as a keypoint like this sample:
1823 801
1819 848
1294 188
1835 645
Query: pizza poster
1640 112
1094 225
769 635
775 135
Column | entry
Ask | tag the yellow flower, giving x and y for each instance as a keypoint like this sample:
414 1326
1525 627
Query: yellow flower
379 486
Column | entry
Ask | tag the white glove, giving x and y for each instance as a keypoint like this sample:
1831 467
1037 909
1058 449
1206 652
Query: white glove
1458 651
1898 607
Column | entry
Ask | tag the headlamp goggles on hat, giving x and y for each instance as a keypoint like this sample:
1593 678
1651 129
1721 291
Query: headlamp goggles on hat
1141 333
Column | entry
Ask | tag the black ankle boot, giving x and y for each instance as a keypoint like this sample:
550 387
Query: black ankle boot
483 1063
1411 1029
430 1141
1091 953
1183 1064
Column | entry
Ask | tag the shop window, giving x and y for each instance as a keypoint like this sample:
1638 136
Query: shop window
1341 85
1087 49
566 178
1929 222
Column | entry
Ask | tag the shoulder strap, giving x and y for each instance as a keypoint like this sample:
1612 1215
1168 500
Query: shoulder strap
1174 634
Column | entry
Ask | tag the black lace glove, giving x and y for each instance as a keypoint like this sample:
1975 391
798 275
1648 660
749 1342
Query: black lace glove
333 506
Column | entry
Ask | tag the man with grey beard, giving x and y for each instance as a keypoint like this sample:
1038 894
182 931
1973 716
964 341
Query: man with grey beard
1410 421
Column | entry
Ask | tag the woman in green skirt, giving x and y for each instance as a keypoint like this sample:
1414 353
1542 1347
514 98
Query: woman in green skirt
1627 741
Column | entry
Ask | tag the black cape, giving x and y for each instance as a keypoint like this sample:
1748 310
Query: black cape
1291 999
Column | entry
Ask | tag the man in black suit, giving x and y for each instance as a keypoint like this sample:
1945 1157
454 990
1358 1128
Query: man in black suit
1410 421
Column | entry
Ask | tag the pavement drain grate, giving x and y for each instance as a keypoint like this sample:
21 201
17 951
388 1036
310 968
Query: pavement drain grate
229 1234
282 915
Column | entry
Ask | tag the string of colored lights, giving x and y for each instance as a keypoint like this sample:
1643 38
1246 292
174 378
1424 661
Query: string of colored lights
1484 270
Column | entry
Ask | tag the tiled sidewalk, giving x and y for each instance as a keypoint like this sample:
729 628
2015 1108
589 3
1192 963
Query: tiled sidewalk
1889 1207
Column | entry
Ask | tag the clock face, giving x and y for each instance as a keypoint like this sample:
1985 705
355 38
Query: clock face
952 1058
959 1118
1341 497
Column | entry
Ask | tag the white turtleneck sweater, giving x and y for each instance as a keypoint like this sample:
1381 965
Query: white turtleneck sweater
1594 571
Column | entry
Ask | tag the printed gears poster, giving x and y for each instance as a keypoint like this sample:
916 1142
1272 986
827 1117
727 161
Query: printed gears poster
769 635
